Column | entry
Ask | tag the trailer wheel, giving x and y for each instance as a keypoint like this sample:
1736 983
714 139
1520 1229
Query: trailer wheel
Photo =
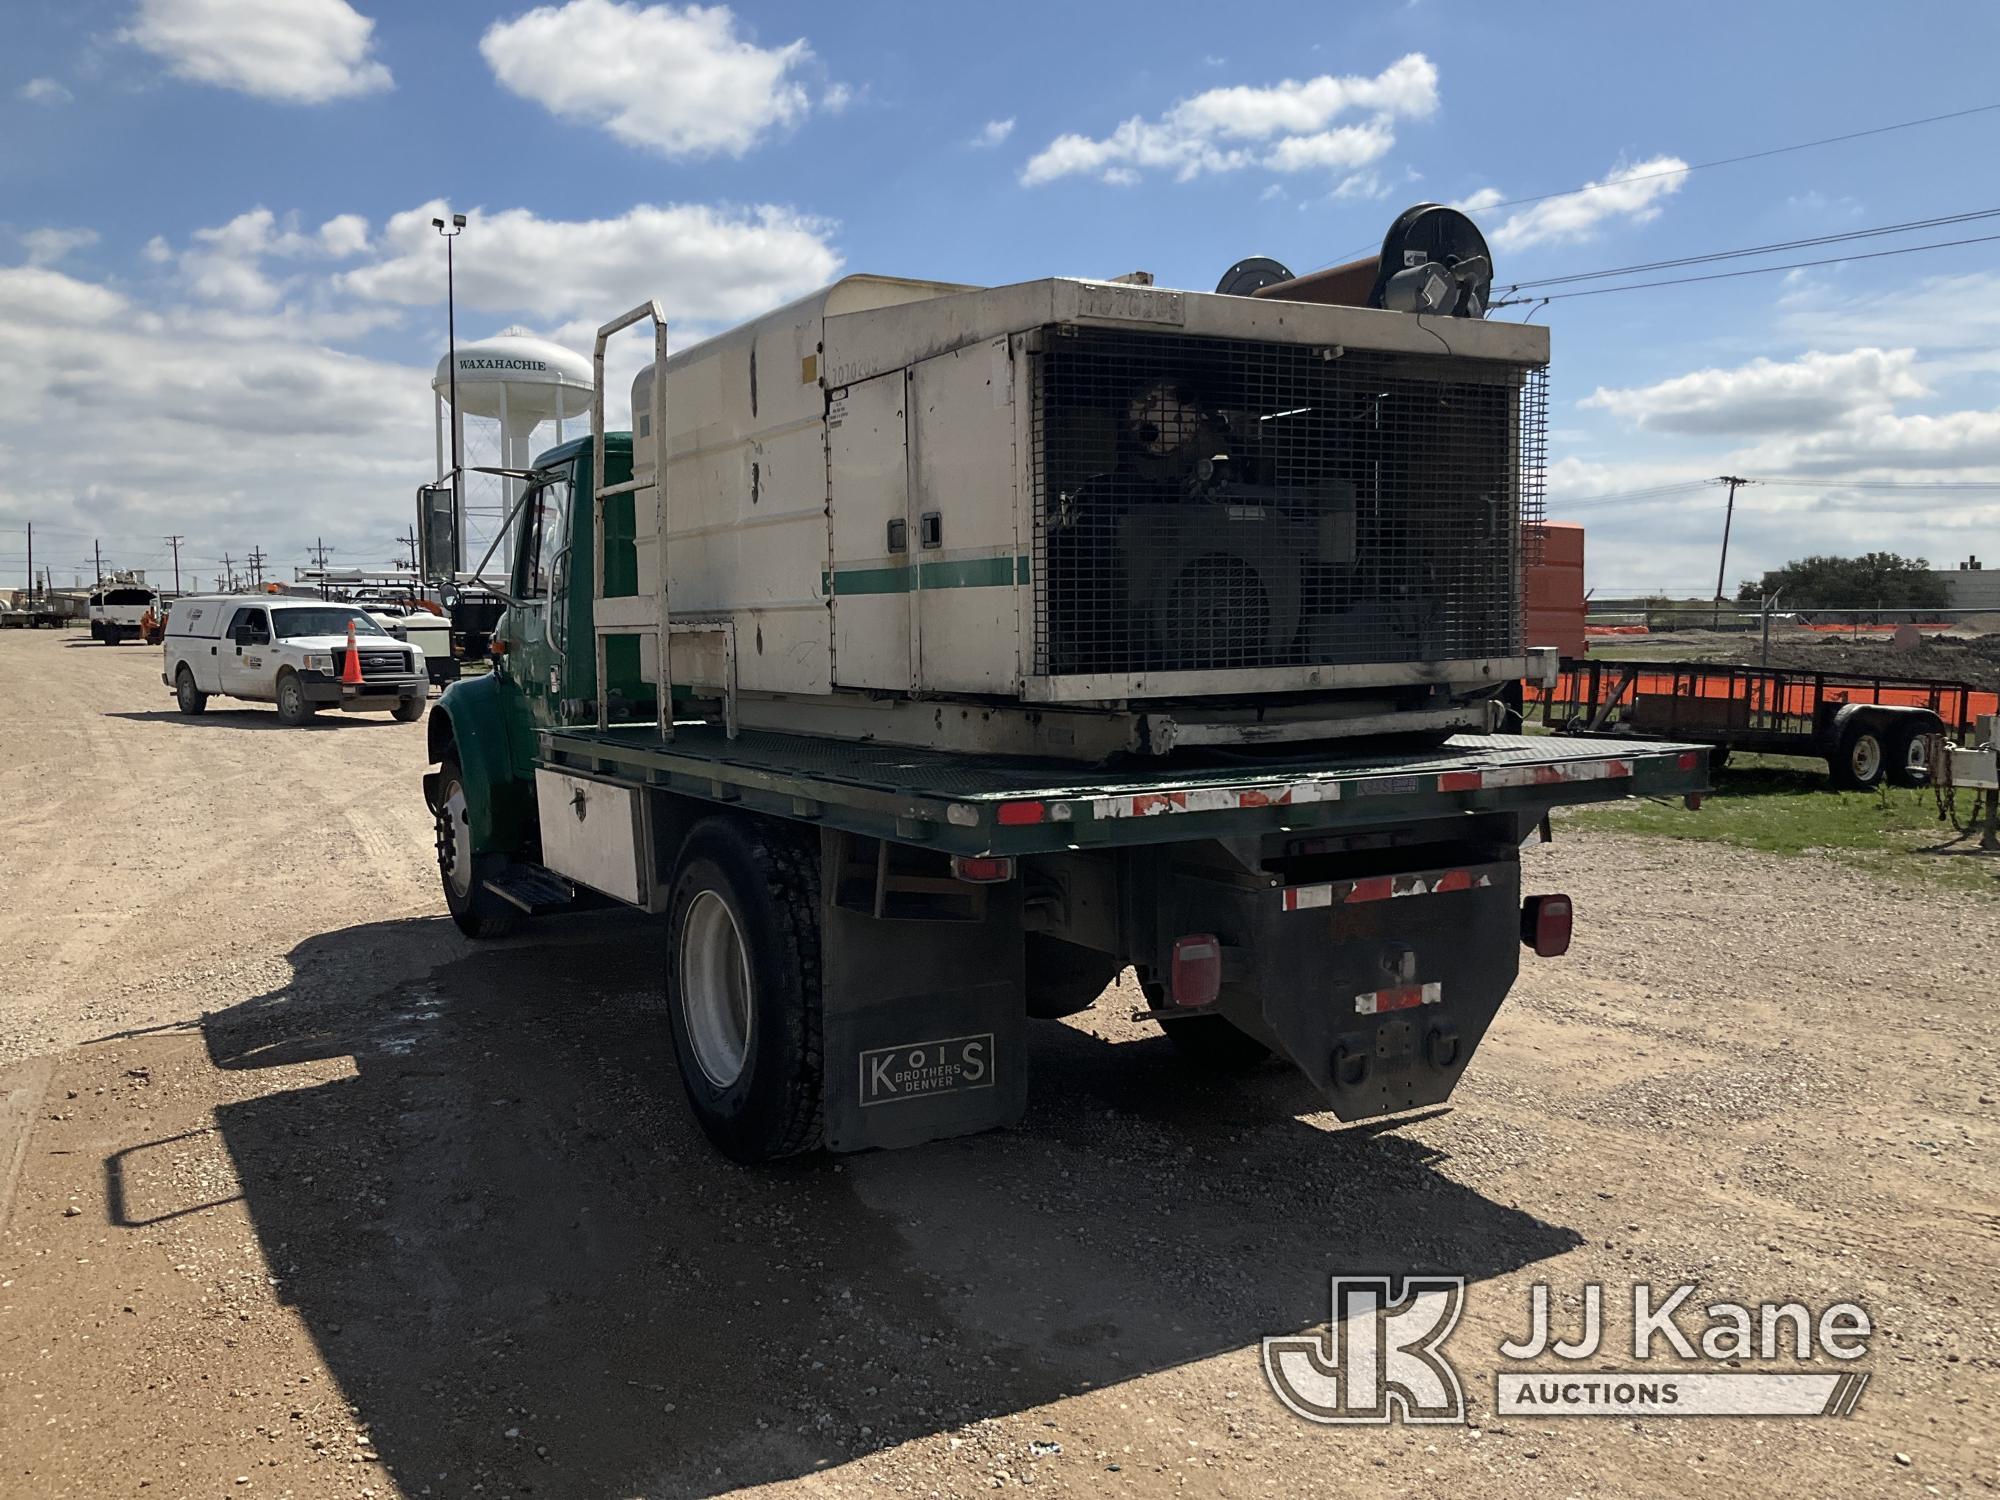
1910 755
189 698
743 987
477 911
1214 1043
1861 761
1065 978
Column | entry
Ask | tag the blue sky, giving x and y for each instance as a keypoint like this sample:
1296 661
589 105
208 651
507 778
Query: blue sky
220 298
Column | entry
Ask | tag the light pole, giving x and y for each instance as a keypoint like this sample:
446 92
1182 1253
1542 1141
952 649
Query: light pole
451 341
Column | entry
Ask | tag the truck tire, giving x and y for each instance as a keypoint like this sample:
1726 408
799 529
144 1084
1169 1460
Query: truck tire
1064 978
1862 759
742 983
1213 1043
408 710
478 913
1910 755
97 632
293 710
191 699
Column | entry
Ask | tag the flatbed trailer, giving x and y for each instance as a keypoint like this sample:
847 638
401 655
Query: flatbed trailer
876 927
1868 729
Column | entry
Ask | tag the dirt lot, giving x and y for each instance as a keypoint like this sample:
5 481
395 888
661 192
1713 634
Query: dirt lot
1965 655
304 1195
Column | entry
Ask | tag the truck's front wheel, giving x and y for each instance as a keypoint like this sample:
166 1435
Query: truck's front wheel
743 994
477 911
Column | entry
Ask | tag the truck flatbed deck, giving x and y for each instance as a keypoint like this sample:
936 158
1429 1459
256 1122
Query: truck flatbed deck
993 805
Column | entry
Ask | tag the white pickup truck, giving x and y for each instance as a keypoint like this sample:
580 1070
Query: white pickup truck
269 649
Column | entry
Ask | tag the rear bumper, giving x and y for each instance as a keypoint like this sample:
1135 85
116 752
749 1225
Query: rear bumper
1379 989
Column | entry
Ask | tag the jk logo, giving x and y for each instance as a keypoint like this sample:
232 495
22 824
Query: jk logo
1380 1360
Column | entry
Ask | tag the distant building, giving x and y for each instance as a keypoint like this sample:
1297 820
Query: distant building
1970 585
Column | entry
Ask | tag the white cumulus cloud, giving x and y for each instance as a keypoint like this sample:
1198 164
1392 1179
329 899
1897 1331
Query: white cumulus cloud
45 247
1283 127
1802 395
993 132
679 80
708 265
1630 192
44 91
298 51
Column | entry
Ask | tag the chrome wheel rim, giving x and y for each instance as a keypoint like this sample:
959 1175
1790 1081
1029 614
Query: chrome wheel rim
1917 760
1867 758
715 988
455 840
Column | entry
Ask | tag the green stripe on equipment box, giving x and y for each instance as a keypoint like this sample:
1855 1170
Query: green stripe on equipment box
966 573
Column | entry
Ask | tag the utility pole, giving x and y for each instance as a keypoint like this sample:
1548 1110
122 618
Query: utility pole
1722 567
175 543
97 552
256 561
409 540
31 561
226 584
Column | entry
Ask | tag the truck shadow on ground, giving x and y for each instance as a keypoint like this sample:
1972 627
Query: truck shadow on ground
247 718
528 1270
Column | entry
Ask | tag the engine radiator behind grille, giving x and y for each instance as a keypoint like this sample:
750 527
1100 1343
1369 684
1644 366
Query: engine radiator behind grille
1206 504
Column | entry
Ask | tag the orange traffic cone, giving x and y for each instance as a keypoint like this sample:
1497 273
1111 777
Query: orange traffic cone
350 666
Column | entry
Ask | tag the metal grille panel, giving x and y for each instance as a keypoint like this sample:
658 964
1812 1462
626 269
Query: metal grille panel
1214 504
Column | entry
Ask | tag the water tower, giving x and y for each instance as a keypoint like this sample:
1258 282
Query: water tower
508 387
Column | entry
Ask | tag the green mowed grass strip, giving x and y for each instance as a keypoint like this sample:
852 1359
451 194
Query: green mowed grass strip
1785 805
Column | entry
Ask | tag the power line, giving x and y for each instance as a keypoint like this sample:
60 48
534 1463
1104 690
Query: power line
1771 249
1730 161
1721 161
1886 484
1796 265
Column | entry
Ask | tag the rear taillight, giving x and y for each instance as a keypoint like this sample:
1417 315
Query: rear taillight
1197 969
1545 924
981 869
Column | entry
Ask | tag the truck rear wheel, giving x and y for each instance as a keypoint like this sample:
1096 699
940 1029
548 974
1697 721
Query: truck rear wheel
742 981
1214 1043
477 911
191 699
1064 978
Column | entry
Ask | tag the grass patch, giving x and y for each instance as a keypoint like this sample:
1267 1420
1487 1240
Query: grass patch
1784 805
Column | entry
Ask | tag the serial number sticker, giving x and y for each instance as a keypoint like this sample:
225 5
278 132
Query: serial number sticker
923 1070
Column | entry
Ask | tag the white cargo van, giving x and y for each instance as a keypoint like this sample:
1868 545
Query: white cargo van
116 610
291 652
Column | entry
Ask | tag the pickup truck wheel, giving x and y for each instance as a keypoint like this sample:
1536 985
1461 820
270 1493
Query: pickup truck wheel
408 710
477 911
192 700
743 994
1064 978
293 710
1861 762
1910 756
1215 1044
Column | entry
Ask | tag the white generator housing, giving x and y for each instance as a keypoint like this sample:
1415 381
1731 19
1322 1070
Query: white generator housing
1069 494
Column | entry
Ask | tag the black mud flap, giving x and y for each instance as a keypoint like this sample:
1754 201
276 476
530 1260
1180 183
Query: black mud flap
1380 989
924 1023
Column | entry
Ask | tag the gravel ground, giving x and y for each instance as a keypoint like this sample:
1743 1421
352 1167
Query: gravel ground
302 1194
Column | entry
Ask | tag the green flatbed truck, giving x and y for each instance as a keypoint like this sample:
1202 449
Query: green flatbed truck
860 933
